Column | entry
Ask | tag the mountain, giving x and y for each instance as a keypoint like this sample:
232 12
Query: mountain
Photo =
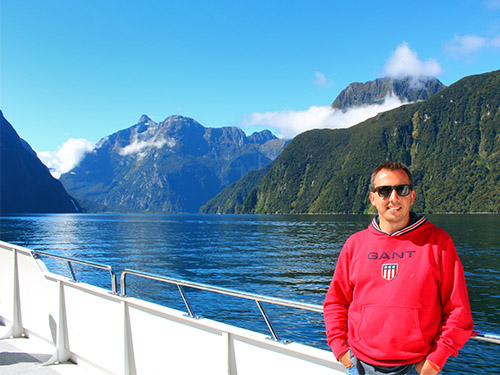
451 142
176 165
408 89
356 94
231 199
26 185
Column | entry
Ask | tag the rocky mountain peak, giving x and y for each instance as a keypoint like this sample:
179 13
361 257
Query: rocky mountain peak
407 89
261 137
172 166
144 120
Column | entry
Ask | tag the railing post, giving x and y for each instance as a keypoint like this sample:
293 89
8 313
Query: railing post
71 270
226 353
123 284
128 355
114 283
268 321
16 329
62 353
186 302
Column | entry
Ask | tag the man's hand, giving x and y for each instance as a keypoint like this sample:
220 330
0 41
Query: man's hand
345 359
427 367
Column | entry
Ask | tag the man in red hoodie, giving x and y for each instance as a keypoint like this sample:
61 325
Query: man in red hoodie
398 302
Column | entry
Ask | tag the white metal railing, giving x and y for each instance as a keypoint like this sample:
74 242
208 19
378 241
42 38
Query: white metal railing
114 289
479 336
486 337
259 299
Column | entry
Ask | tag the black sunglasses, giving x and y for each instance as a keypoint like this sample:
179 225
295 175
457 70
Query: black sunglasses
386 191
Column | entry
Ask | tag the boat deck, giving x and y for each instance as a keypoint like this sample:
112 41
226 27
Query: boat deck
26 356
106 331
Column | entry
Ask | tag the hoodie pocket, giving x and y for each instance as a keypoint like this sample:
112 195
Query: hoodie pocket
390 332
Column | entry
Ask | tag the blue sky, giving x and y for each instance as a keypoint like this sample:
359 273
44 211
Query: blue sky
82 69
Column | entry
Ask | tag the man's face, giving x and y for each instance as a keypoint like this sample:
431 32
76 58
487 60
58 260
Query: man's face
393 211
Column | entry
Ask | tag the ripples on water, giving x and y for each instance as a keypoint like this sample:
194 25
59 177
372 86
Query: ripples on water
290 257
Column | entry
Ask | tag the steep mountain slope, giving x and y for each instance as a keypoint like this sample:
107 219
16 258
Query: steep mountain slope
231 199
374 92
451 142
172 166
355 95
26 185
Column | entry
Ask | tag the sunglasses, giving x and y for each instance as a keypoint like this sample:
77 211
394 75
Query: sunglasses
386 191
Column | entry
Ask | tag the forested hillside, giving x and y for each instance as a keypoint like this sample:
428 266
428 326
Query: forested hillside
451 142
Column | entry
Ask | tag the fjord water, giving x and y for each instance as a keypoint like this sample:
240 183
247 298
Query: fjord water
290 257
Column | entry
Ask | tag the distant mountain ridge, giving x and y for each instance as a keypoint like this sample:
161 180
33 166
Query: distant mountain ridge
172 166
450 141
26 185
408 89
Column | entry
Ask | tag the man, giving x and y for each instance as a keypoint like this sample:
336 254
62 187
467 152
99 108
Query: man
398 302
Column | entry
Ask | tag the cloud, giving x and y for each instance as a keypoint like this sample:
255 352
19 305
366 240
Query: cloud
321 80
138 145
405 62
288 123
465 45
67 156
468 46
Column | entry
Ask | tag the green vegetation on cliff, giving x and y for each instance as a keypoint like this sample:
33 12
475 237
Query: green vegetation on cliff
230 200
451 142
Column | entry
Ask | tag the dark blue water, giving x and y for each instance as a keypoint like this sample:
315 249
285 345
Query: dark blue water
289 257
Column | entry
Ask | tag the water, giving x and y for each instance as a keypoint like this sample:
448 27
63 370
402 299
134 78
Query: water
289 257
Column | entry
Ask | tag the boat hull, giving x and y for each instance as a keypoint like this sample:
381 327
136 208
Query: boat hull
113 334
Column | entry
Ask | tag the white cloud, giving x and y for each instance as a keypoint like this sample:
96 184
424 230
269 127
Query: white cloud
321 80
465 45
405 62
289 123
66 157
138 145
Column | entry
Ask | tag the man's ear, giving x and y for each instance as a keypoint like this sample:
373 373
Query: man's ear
372 198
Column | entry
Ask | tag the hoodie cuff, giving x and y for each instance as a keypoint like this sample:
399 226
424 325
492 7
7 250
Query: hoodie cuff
338 348
438 356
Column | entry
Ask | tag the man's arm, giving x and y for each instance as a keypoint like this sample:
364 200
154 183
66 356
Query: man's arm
456 323
336 305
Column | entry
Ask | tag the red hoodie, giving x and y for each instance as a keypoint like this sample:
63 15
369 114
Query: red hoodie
396 299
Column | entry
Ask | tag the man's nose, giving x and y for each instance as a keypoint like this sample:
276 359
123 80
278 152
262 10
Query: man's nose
394 195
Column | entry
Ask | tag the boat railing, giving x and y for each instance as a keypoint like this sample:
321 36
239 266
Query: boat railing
181 284
486 337
114 288
259 299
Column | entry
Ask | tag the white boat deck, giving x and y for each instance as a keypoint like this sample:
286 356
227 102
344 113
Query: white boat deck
27 356
104 332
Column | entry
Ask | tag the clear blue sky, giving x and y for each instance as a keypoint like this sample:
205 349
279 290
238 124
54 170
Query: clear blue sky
88 68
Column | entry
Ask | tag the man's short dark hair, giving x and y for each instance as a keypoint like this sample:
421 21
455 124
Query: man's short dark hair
392 166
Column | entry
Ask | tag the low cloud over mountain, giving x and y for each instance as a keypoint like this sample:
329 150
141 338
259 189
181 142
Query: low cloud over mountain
404 64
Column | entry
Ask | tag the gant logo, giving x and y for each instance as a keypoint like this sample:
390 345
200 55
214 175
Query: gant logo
389 271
